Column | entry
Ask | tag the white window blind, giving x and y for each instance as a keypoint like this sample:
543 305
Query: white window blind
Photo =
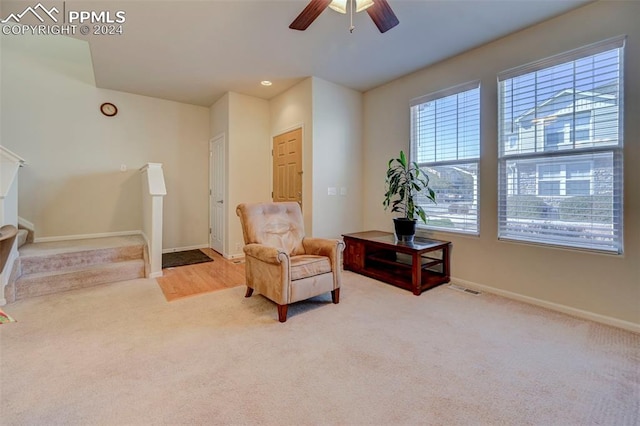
445 142
560 149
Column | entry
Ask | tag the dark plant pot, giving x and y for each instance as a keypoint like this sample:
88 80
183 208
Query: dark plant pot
405 229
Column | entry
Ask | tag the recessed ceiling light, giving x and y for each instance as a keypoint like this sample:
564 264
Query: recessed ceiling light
266 83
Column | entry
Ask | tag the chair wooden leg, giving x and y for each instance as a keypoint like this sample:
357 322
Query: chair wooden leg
335 295
282 312
249 292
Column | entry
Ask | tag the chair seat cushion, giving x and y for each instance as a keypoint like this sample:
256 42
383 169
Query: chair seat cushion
306 265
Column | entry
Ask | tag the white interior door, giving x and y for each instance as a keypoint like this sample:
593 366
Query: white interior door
217 183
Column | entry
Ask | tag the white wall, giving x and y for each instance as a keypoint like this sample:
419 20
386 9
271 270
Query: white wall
331 118
245 122
337 159
328 113
249 170
290 110
73 184
219 116
601 284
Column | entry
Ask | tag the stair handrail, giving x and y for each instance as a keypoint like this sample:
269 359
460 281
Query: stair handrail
9 165
153 191
8 235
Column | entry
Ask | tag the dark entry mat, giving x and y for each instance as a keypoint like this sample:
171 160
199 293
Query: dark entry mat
182 258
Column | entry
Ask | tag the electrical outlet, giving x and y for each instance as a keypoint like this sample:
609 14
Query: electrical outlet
123 167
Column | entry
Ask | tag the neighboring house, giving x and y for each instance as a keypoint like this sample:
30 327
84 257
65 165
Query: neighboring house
570 119
560 184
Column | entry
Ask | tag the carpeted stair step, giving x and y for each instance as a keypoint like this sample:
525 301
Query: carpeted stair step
22 237
39 284
34 264
56 266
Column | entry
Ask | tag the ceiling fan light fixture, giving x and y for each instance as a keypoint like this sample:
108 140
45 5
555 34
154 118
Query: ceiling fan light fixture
339 5
378 10
363 4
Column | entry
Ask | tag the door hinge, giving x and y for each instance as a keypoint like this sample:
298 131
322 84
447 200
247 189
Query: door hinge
209 230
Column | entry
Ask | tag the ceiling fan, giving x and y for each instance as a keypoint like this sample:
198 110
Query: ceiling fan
379 11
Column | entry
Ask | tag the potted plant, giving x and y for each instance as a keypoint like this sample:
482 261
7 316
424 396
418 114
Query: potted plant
404 181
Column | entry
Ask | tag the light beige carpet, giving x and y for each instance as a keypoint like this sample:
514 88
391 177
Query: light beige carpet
120 354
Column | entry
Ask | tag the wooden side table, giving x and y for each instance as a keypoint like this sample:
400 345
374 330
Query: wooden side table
416 266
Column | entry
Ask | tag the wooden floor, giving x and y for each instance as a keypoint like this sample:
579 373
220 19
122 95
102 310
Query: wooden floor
191 280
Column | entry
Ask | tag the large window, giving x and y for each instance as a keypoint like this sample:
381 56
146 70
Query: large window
560 149
445 142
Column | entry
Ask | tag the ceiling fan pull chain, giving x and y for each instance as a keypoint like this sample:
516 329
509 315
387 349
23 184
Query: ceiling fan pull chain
351 28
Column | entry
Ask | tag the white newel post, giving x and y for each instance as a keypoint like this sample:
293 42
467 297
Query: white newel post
10 163
153 191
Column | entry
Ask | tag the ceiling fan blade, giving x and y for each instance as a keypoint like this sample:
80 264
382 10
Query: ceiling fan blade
309 14
382 15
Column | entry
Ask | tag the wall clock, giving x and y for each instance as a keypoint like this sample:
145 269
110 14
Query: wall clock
108 109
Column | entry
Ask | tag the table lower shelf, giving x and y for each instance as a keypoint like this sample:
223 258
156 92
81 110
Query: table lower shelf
397 275
401 260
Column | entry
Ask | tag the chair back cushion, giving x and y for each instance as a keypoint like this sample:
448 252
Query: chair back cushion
277 225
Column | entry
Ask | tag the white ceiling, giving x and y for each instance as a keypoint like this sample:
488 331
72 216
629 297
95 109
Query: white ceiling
195 51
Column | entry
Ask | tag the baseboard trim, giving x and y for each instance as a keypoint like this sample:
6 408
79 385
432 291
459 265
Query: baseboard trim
85 236
579 313
172 250
155 275
146 240
26 224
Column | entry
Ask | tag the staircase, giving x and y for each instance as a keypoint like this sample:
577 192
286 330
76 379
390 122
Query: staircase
23 234
54 267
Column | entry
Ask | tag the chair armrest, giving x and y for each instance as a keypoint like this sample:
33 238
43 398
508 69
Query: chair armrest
268 270
324 247
265 254
330 248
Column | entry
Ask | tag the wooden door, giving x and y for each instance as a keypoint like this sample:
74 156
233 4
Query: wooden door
287 167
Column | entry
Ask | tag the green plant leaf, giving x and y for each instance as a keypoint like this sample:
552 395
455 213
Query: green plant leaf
404 181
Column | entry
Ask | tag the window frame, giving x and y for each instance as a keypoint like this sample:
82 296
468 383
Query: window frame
563 178
588 149
460 161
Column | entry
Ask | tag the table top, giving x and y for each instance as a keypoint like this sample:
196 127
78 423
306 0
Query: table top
389 239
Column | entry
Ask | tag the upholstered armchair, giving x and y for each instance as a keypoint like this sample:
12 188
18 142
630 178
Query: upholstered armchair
280 262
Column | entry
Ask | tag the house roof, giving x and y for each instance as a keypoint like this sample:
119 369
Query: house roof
553 100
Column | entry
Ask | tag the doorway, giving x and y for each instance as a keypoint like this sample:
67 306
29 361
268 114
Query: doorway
217 183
